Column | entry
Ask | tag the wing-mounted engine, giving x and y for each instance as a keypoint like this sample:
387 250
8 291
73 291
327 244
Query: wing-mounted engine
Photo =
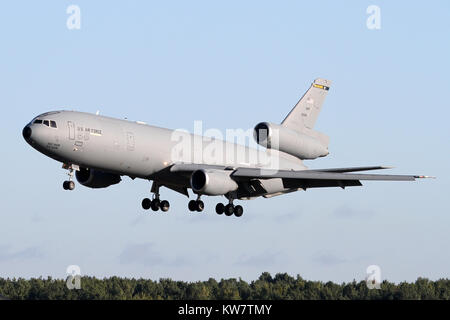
96 179
298 144
212 182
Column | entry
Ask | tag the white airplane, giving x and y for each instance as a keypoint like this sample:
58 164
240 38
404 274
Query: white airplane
102 149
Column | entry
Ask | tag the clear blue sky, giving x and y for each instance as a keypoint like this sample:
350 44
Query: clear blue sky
231 64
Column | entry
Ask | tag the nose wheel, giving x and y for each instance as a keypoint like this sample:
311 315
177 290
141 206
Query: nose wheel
69 184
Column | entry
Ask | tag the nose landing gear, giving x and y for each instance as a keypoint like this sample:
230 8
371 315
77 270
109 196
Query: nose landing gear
69 184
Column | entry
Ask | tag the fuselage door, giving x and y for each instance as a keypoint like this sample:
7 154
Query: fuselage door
130 141
71 126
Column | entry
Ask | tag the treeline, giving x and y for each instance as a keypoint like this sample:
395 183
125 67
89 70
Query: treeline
281 286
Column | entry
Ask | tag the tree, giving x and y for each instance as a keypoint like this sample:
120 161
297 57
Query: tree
282 286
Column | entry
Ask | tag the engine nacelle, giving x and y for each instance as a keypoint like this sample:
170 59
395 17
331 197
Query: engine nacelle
274 136
212 182
96 179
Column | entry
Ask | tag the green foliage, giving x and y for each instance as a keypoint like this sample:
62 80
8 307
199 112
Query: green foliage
282 286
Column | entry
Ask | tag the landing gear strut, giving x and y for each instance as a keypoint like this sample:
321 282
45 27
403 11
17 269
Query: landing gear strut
69 184
155 204
196 205
229 209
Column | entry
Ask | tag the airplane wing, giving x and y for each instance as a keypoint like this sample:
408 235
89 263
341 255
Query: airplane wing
316 175
305 179
192 167
319 174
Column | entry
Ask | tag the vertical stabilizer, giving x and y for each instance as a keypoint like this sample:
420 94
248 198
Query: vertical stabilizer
303 116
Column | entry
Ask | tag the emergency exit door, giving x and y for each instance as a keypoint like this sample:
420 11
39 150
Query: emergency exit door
71 126
130 141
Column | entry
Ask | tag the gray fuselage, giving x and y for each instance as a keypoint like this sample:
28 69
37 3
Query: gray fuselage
139 150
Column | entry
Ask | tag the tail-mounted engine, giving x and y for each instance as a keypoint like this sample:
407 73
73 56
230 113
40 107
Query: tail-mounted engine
278 137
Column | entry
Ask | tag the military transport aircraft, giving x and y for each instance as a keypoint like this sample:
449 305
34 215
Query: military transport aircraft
101 149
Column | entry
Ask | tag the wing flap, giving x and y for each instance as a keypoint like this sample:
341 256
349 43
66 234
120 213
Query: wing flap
352 169
307 184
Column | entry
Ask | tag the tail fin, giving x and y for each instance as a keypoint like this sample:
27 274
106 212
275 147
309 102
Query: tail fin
304 115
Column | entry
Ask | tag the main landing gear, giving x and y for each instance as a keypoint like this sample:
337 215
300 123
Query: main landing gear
69 184
196 205
229 209
155 204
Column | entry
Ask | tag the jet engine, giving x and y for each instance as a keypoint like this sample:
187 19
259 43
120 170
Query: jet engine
212 182
278 137
96 179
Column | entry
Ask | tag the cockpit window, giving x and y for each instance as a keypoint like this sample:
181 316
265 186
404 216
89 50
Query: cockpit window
48 123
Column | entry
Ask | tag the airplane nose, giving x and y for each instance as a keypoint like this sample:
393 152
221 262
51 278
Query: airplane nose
26 132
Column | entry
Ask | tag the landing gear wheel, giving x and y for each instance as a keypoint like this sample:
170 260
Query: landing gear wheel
164 206
220 208
146 203
199 206
69 185
229 209
238 211
155 205
192 205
